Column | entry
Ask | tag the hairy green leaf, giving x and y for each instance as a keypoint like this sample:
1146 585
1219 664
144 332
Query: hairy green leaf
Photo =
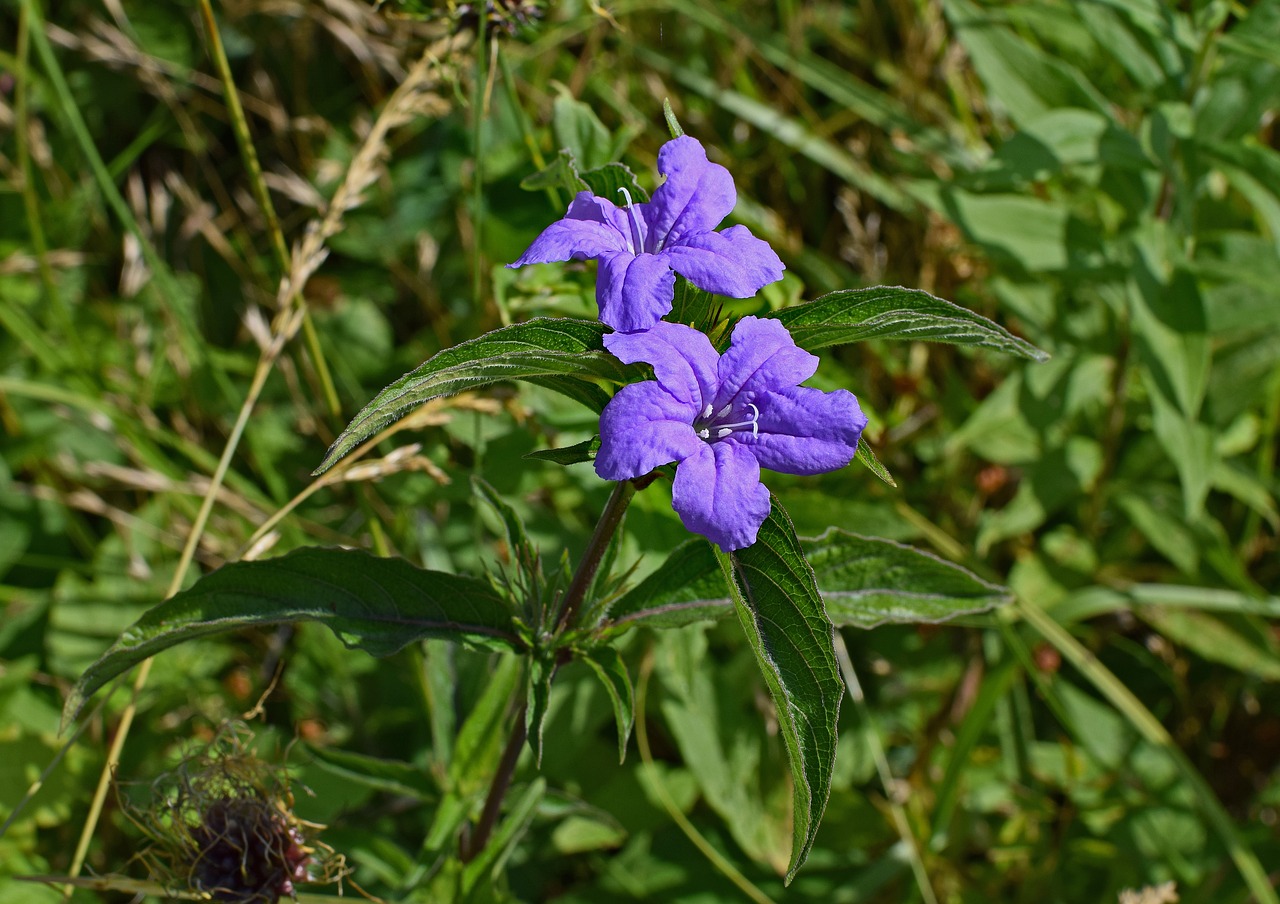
568 455
781 611
556 353
867 581
892 312
607 664
376 605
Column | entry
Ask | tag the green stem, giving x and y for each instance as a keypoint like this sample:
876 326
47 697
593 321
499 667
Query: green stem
31 201
497 789
610 518
249 155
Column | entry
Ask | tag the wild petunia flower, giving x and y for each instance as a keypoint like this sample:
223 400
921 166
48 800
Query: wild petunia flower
638 246
723 418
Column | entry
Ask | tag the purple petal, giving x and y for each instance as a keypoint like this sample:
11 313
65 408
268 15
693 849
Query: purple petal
683 360
643 427
697 195
717 493
733 262
590 228
634 292
762 358
804 431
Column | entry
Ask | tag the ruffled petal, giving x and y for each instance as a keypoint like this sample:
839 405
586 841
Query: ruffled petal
762 358
733 262
718 494
804 430
634 292
643 427
683 360
697 195
589 229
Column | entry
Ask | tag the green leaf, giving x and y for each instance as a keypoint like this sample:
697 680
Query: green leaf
867 581
868 459
688 587
604 181
390 776
557 353
1214 639
568 455
377 605
892 312
1025 79
608 666
542 669
578 129
781 611
563 172
673 124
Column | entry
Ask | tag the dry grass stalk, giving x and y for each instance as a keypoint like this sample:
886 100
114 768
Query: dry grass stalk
414 97
1165 893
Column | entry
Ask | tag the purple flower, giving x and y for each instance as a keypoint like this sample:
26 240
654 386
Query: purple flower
722 418
640 245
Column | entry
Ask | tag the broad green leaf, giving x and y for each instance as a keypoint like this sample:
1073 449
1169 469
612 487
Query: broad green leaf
604 181
1024 231
390 776
736 765
1213 639
563 172
377 605
686 588
1026 80
568 455
780 610
867 581
892 312
578 129
608 666
556 353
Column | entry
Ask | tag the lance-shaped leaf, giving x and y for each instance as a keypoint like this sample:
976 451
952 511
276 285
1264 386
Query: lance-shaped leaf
559 353
376 605
892 312
777 601
864 581
608 666
867 581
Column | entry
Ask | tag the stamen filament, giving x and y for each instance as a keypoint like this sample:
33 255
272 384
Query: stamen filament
726 429
637 240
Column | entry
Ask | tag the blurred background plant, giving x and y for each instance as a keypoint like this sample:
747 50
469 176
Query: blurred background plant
1099 176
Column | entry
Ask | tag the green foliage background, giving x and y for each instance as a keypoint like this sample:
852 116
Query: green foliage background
1100 177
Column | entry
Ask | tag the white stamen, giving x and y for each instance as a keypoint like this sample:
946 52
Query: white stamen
707 412
704 433
637 242
723 432
726 429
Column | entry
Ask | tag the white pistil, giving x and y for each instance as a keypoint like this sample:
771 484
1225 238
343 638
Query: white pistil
637 242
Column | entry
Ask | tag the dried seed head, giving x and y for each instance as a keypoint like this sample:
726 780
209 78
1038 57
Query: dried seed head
221 824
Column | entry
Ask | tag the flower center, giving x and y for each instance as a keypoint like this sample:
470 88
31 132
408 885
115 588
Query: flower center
637 236
711 427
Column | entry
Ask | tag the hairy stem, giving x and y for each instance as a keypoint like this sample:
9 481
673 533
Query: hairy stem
590 564
475 843
610 518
